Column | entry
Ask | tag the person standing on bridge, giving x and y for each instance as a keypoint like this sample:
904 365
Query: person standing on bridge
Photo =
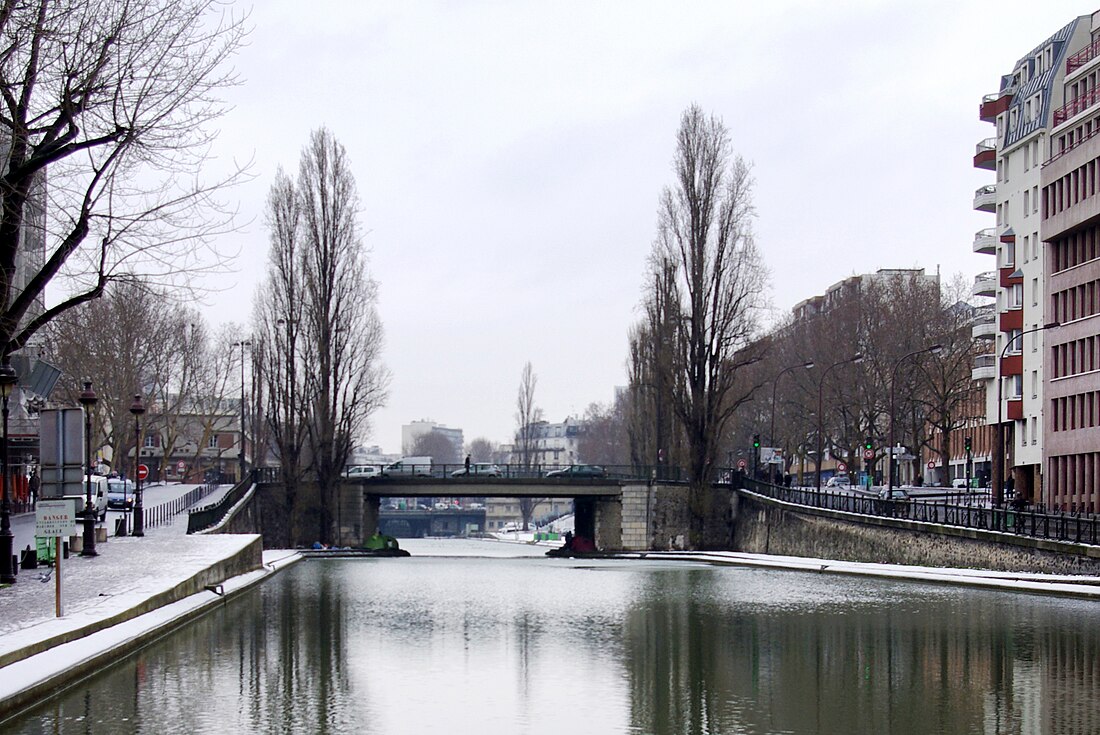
467 464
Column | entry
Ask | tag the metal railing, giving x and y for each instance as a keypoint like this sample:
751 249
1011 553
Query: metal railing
1076 106
209 515
166 512
965 510
1082 57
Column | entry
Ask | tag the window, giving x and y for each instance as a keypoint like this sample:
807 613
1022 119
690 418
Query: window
1016 296
150 441
1027 201
212 443
1035 199
1034 291
1013 342
1015 387
1034 383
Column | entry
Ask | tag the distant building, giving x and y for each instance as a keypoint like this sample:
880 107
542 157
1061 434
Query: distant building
413 431
553 445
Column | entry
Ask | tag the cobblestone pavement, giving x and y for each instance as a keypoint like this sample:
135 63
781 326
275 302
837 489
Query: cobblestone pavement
126 571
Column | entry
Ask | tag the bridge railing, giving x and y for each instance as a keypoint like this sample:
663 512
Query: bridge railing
479 471
1079 528
166 512
209 515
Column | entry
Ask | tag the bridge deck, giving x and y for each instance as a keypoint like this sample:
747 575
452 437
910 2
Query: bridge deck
429 487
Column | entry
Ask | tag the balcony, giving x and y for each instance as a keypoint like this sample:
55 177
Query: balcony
985 241
1072 109
984 324
985 284
996 103
1014 409
985 155
985 367
985 199
1082 57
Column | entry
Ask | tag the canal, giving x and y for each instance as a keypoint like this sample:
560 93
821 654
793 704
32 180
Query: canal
477 637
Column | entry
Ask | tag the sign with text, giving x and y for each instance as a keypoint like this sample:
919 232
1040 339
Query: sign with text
54 518
771 455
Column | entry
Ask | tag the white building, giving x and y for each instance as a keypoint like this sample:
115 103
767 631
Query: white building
554 445
1023 111
411 432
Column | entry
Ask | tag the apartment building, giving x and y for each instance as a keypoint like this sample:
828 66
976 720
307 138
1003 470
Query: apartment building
1024 110
1071 235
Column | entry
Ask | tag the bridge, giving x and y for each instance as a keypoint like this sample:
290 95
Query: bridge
624 513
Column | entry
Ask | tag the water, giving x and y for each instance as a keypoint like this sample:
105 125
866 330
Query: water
500 643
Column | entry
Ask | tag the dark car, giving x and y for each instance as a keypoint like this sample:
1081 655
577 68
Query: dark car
120 494
578 471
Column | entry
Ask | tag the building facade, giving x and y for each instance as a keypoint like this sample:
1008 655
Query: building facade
413 431
1024 110
1071 234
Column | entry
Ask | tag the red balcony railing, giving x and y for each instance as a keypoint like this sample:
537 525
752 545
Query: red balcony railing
1084 56
1077 106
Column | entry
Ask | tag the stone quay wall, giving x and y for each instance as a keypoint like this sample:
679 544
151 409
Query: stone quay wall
766 526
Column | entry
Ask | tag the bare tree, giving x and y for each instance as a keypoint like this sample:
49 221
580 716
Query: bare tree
107 113
321 334
436 445
705 229
603 436
483 450
528 418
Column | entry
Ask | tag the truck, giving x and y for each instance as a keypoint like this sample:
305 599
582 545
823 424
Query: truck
99 498
409 467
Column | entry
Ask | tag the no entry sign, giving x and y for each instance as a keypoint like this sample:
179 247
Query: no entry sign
143 471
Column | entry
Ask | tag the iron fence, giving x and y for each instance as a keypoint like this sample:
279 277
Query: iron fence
965 510
166 512
209 515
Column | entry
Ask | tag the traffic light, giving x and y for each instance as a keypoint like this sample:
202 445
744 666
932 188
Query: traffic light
967 444
868 444
755 441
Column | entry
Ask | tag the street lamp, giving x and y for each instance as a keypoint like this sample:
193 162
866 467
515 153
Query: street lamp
8 379
240 456
856 358
999 444
87 399
137 408
891 463
775 384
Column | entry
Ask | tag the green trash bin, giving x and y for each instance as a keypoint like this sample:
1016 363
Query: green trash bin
44 548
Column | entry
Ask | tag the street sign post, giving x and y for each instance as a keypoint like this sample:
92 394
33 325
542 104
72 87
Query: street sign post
181 467
742 464
55 518
868 454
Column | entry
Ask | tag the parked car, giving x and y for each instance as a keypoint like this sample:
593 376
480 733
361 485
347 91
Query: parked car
838 481
362 472
893 494
578 471
120 494
481 469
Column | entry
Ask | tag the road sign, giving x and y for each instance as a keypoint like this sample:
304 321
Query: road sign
841 467
742 464
54 518
868 453
143 471
181 467
931 465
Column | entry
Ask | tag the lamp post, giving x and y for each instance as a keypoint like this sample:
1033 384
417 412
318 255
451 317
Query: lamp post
8 379
775 384
891 463
137 408
998 474
87 399
856 358
240 456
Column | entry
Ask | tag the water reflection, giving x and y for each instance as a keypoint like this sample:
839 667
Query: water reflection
498 645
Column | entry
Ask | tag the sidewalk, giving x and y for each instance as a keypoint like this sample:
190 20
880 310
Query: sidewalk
116 600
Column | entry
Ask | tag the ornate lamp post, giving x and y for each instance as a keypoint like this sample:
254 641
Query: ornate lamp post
8 379
856 358
240 457
137 408
87 399
998 477
891 463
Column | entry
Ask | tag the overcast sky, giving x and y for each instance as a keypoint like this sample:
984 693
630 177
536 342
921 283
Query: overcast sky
510 155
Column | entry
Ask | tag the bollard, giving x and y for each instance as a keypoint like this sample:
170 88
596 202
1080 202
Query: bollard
14 564
120 526
101 534
30 558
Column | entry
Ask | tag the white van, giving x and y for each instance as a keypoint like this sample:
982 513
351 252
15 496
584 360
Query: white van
409 467
99 498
